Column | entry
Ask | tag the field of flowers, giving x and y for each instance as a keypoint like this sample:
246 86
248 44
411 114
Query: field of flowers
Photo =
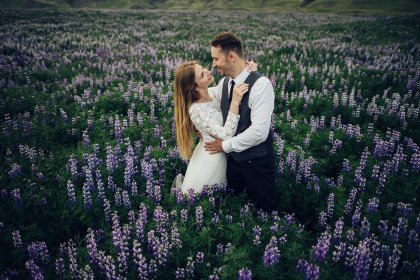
88 150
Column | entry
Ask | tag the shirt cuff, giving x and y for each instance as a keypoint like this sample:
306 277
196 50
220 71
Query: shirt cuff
227 146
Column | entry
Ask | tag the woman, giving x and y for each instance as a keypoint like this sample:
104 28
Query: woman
196 107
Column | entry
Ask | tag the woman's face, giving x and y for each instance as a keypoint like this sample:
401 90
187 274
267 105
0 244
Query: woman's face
203 77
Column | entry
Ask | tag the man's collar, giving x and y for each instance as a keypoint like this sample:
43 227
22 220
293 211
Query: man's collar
241 77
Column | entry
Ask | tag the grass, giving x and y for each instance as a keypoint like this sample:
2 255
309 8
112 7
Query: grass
322 6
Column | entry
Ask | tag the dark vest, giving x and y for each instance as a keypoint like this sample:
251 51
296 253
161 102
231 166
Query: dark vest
262 149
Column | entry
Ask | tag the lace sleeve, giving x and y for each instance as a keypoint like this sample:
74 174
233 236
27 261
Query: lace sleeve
204 122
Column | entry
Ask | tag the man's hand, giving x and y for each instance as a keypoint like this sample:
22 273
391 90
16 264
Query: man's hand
214 147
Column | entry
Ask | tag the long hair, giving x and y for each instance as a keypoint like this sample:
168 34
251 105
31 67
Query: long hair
185 94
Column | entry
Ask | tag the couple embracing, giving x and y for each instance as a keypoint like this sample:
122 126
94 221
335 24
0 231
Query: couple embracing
233 118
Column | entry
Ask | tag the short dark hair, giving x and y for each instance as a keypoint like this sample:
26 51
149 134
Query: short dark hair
228 42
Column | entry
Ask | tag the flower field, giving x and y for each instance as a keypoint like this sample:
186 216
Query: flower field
88 151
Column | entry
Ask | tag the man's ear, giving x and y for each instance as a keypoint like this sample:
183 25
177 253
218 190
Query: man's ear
231 56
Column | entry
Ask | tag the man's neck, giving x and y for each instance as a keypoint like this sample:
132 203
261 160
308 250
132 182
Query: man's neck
238 68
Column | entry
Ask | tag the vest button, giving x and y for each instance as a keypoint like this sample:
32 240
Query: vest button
249 161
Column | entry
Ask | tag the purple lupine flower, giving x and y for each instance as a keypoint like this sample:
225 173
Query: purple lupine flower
216 273
375 173
282 239
383 227
229 219
92 247
336 146
262 215
323 219
399 156
129 169
16 197
178 195
365 228
191 196
17 240
120 240
111 185
189 268
338 231
199 216
383 177
63 115
157 195
118 198
140 261
346 166
180 273
377 268
184 215
87 273
15 171
159 246
199 257
289 219
117 129
415 162
311 271
107 210
271 253
244 211
86 140
38 251
275 227
350 201
71 193
257 235
291 161
59 267
175 238
244 274
111 160
72 255
330 205
392 262
216 219
126 200
357 213
34 270
87 197
322 246
413 240
404 209
362 260
373 204
339 252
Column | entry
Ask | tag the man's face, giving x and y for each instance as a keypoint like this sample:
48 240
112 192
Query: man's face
220 60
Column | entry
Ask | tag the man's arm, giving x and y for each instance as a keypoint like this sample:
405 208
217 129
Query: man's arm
261 103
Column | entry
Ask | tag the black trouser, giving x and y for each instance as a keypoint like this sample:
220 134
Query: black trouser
256 177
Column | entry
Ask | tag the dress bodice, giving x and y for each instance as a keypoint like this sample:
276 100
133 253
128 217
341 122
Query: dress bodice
207 118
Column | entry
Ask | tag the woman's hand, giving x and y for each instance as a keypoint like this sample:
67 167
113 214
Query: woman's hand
238 93
251 66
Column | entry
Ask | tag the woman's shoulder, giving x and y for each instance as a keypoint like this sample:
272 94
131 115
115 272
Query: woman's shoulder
201 107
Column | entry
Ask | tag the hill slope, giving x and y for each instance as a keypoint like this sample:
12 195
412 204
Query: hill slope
334 6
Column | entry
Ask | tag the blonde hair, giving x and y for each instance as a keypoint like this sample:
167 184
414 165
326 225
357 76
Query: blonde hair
185 94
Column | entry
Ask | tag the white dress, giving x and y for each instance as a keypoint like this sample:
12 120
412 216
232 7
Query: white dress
205 168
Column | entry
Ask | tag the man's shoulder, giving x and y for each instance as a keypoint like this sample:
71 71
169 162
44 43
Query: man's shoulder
260 78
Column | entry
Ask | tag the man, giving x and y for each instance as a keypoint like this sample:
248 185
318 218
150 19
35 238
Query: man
250 155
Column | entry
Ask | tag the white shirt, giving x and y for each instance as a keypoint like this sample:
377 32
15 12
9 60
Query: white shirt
261 103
